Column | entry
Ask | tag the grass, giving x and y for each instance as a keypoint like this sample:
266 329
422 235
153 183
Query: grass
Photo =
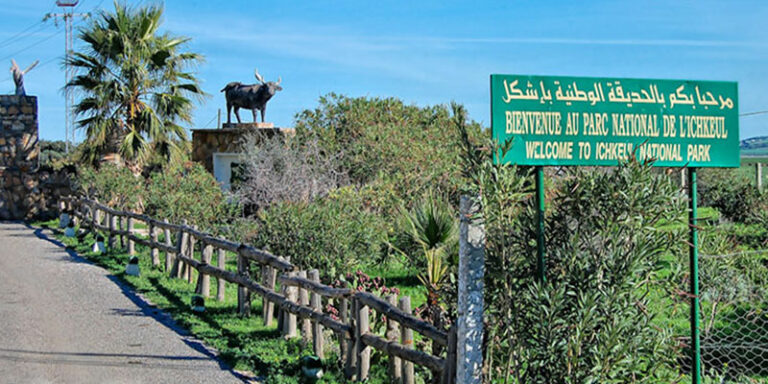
243 342
728 275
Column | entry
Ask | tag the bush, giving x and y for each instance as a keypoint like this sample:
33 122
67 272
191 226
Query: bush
188 192
333 234
112 185
384 141
588 323
733 195
293 171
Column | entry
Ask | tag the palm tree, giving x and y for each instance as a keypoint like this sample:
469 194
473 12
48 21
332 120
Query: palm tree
136 86
429 235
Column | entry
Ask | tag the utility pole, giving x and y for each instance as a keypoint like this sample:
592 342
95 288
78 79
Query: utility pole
67 15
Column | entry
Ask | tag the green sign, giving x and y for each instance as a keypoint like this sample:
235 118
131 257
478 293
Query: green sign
603 121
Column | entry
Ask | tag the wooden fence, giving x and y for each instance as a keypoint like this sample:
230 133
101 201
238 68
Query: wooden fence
300 296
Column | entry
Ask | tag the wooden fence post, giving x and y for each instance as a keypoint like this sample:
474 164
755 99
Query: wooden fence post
181 246
112 226
393 335
448 376
292 294
221 262
96 215
269 276
759 175
203 280
279 313
153 252
131 245
317 305
363 351
121 226
243 296
191 254
348 348
306 324
406 339
169 256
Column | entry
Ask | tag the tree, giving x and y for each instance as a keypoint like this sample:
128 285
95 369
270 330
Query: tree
137 85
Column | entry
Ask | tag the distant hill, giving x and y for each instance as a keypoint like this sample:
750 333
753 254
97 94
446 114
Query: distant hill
755 146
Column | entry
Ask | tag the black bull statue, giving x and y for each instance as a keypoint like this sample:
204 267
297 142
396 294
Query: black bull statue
250 96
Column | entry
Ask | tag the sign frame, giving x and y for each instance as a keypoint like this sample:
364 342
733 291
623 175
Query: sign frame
653 104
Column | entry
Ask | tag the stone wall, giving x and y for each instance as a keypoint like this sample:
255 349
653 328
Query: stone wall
26 191
206 142
18 132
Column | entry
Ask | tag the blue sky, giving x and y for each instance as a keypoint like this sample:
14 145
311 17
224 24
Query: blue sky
425 52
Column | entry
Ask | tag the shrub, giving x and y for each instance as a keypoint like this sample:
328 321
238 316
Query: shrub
293 171
333 234
733 195
188 192
588 322
112 185
385 141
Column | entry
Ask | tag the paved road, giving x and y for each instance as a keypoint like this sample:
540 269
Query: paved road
63 320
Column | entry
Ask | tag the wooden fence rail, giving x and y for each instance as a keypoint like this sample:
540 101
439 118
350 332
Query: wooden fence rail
301 294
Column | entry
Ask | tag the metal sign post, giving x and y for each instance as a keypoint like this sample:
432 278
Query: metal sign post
694 268
541 265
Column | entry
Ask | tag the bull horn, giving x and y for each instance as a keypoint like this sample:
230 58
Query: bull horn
279 80
258 77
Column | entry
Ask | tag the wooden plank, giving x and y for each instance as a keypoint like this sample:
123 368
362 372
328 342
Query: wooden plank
393 336
169 252
203 280
347 348
191 253
290 318
243 297
315 287
306 325
424 359
448 375
398 315
270 275
221 262
131 244
154 253
265 257
316 301
112 227
221 243
406 340
181 241
120 231
362 349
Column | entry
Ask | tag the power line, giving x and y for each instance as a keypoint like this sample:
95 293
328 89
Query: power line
31 46
23 34
753 113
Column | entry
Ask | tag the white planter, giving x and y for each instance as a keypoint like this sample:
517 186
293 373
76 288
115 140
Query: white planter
99 247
